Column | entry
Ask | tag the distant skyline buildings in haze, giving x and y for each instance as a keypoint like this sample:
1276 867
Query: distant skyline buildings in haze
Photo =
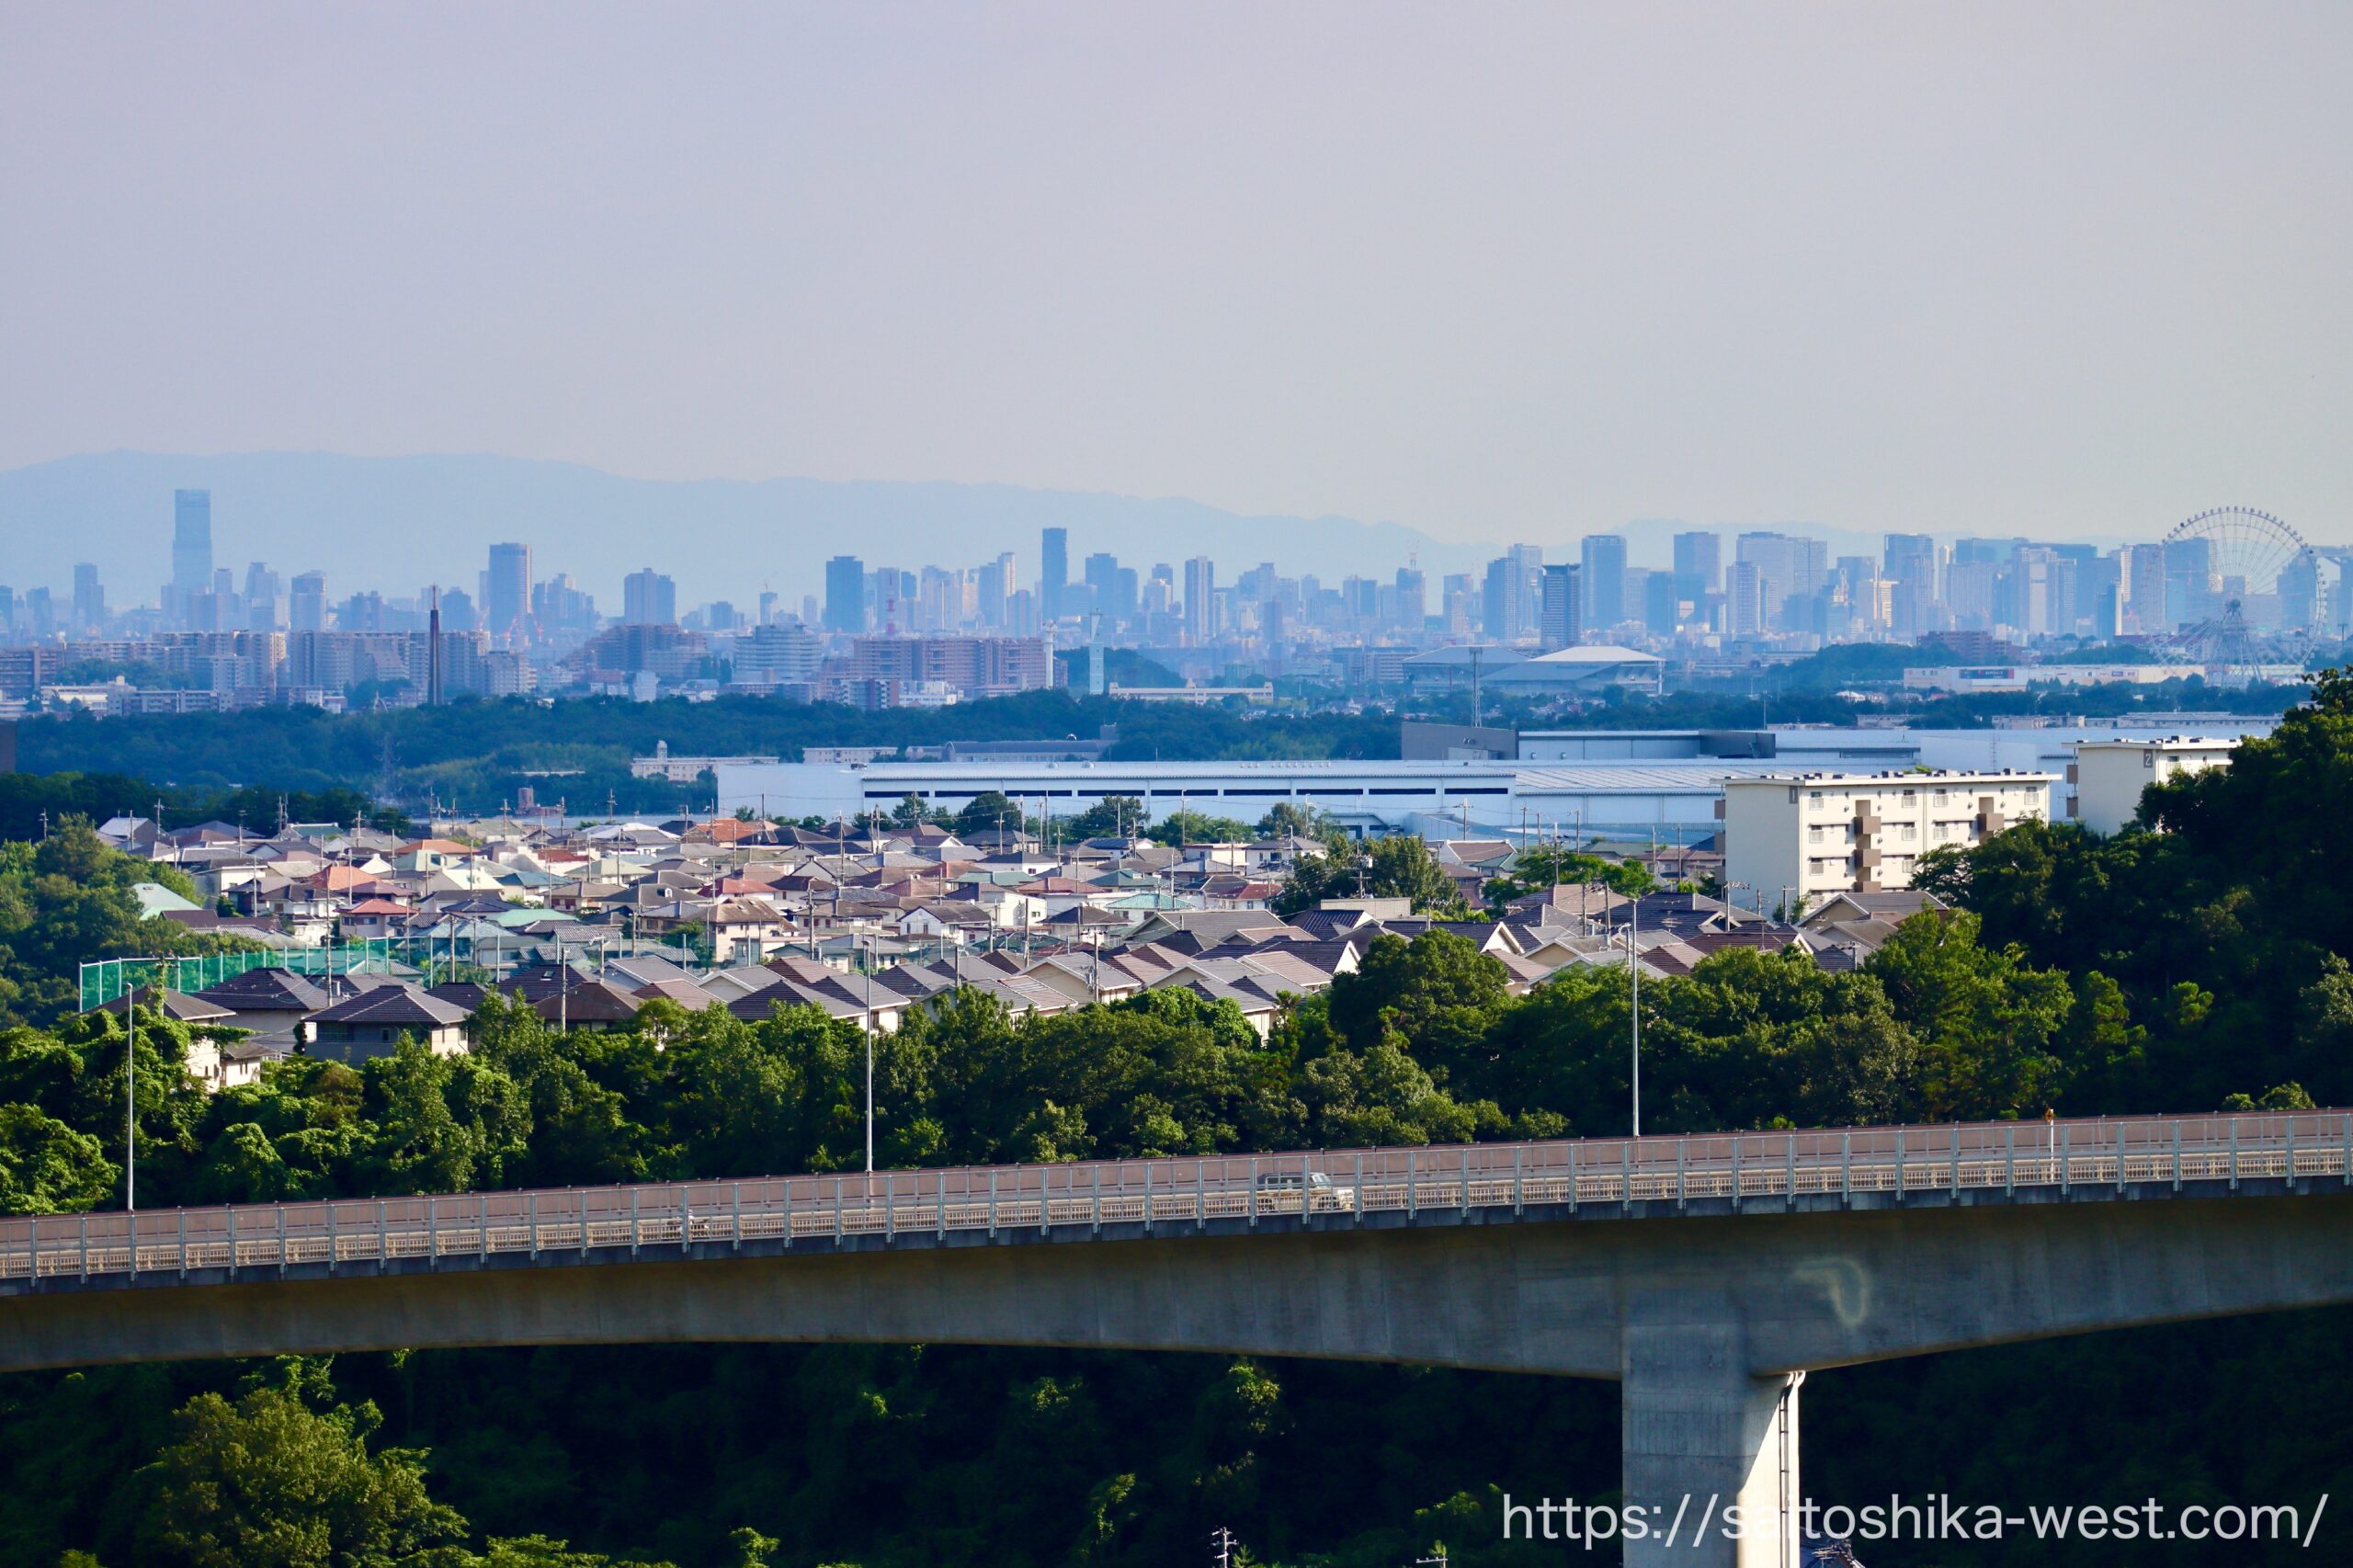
507 589
191 548
1785 592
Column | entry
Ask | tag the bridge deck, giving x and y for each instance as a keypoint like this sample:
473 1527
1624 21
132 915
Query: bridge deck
1588 1179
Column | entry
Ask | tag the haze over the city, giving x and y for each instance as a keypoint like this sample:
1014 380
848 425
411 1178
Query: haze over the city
1492 273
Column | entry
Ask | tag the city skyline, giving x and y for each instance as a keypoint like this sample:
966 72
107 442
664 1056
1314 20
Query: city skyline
1920 584
105 508
2232 591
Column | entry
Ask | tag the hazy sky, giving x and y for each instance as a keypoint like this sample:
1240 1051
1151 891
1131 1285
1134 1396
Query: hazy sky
1493 271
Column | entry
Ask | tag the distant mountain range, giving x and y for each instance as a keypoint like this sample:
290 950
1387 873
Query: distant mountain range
396 524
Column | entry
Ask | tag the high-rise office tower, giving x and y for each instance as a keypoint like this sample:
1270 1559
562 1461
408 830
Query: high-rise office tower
2144 590
1663 598
2100 594
648 598
1910 565
1496 600
2039 583
1053 572
1699 556
1528 569
1201 600
940 594
191 549
507 593
1604 561
1560 618
1786 568
1749 590
1985 551
995 580
306 606
265 598
2193 588
845 594
459 611
1103 587
1413 598
1512 588
89 598
1021 613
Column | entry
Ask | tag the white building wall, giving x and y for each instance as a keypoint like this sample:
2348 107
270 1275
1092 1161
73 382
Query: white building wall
1820 834
2110 775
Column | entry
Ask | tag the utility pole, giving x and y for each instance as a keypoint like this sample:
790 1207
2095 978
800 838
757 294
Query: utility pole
130 1098
1634 979
1221 1541
869 1060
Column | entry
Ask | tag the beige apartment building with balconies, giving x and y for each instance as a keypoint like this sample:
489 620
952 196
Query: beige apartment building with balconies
1790 839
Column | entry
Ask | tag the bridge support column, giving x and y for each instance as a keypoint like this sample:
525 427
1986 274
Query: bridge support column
1701 1436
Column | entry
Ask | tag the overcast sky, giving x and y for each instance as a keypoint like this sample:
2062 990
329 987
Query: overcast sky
1493 271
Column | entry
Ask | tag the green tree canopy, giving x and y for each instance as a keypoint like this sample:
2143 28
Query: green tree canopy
1400 866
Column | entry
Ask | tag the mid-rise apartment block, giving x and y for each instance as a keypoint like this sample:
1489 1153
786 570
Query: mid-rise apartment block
1791 838
2110 776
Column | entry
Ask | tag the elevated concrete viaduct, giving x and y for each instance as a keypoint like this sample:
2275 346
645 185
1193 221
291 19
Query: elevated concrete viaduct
1705 1274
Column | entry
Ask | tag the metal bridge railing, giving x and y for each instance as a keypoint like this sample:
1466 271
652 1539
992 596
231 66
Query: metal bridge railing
1338 1186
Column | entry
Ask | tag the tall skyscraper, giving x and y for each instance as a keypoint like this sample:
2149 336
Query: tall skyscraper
1201 600
1698 555
648 598
1910 565
1053 572
845 594
1786 568
1103 587
1511 593
1749 590
306 606
1494 600
507 593
89 598
994 581
1413 598
2193 588
1560 618
1604 560
191 549
2144 590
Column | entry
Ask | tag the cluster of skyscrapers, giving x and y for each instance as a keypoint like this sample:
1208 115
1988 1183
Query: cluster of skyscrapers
1703 594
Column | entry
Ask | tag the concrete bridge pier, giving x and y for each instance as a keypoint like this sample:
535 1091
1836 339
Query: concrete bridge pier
1710 1459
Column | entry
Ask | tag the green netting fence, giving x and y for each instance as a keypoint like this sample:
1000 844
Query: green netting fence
106 982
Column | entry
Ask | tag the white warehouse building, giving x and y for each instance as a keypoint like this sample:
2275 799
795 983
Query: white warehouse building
1663 785
1672 803
1793 838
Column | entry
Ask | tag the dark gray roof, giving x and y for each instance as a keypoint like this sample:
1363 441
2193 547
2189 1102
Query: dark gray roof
394 1004
267 991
